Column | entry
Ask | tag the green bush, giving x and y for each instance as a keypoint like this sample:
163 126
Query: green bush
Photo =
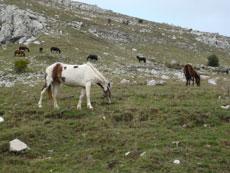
213 61
20 66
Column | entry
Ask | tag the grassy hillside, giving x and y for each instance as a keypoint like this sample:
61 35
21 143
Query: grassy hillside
144 130
157 125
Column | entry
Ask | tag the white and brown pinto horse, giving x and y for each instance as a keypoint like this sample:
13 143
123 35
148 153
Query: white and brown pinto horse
74 75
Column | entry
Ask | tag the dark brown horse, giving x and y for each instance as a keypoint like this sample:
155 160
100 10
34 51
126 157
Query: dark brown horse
19 52
41 49
56 49
24 48
191 74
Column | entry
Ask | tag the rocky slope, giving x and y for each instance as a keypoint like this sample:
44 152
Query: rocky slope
80 29
18 25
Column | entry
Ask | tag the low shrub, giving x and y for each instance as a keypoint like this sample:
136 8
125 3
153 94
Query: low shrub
213 61
20 66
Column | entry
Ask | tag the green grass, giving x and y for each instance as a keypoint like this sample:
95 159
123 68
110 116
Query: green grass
141 119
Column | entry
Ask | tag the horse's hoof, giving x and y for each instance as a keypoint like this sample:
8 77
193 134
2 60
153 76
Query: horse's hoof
78 108
40 106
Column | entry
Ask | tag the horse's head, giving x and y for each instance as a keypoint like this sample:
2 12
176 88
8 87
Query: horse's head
107 91
197 78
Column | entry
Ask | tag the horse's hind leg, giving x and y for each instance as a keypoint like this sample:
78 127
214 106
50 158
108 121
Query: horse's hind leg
56 87
80 98
43 90
41 95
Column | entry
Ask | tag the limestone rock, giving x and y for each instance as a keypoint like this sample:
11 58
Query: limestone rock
17 146
1 119
17 25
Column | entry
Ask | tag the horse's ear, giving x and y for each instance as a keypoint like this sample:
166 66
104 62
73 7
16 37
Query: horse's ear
109 84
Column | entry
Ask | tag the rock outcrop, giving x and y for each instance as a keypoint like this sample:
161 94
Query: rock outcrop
17 25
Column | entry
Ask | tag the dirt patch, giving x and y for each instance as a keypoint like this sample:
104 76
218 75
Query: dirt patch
30 113
112 164
66 115
67 98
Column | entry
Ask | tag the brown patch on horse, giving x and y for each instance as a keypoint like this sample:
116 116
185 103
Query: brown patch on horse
57 73
75 66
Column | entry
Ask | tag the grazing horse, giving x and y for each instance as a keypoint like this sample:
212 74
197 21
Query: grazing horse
93 57
74 75
190 74
24 48
223 70
19 52
141 59
56 49
41 49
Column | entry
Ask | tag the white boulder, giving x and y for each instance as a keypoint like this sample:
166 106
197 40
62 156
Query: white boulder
1 119
17 146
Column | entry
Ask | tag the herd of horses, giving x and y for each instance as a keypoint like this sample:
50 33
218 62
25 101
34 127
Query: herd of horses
84 76
22 49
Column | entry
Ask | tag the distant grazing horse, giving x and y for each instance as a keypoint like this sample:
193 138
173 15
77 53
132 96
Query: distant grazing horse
190 74
55 49
223 70
141 59
93 57
19 52
24 48
40 49
74 75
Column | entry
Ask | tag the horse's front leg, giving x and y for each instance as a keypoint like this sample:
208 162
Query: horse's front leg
80 98
88 87
192 80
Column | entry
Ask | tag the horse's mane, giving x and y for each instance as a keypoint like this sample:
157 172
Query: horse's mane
97 72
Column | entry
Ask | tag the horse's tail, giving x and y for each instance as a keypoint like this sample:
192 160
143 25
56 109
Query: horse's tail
51 74
187 73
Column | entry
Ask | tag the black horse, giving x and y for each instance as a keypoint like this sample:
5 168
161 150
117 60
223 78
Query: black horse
141 59
55 49
93 57
24 48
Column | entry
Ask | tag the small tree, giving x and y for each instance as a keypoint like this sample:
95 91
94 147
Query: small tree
20 66
213 61
140 21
